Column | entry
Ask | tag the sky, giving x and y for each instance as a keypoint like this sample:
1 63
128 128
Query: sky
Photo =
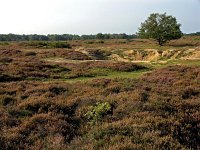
92 16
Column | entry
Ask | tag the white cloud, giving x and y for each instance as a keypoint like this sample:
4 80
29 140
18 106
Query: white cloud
84 16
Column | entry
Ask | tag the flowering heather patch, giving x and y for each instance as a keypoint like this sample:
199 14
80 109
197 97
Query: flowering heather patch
158 111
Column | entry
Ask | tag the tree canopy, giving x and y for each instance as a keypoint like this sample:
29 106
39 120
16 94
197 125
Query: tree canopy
63 37
161 27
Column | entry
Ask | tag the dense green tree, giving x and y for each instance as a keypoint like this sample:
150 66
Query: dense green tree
161 27
100 36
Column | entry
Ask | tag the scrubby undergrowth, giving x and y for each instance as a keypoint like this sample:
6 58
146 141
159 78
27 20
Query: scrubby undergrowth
158 111
40 109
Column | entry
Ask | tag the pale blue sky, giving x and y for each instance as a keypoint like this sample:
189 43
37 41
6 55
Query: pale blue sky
91 16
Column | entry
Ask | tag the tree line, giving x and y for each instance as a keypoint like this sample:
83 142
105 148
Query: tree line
63 37
194 34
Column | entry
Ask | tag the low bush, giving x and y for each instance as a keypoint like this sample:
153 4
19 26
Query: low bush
6 60
189 93
100 42
59 45
113 131
7 100
160 110
40 127
8 78
89 42
30 53
40 44
97 112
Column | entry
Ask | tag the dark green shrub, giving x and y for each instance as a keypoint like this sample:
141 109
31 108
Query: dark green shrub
59 45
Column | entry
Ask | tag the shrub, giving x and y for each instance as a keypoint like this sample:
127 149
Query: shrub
6 60
30 53
59 45
97 112
112 131
7 100
100 42
97 54
89 42
57 90
7 78
39 44
41 126
187 132
189 92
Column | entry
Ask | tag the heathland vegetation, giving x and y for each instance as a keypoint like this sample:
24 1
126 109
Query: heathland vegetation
101 91
100 94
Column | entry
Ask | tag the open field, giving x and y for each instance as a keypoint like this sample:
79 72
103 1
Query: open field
100 94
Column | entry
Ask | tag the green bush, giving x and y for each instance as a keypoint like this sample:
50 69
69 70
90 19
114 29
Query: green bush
59 45
97 112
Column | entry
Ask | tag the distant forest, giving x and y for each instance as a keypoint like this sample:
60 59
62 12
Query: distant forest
66 37
63 37
194 34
